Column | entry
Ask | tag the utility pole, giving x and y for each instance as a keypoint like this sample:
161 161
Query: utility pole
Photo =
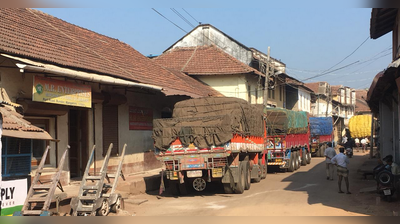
266 86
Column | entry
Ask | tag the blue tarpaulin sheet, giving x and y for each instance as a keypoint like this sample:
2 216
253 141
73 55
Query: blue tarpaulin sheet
321 126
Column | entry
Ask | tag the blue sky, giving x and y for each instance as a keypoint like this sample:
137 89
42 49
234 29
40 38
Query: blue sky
309 40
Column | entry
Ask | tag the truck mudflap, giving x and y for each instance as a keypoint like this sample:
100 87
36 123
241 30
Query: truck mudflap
231 173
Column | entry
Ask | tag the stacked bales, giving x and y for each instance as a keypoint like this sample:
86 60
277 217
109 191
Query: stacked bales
321 126
360 126
207 122
283 121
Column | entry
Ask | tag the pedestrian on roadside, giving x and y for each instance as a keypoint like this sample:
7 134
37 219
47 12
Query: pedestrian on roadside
357 141
341 161
329 154
363 144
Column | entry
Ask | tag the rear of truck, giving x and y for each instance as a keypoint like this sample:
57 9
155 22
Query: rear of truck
288 138
321 129
212 140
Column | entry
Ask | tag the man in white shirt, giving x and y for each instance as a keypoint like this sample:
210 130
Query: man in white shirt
341 161
357 141
363 144
329 154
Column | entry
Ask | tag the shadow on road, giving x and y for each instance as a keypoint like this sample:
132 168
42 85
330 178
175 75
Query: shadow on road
325 192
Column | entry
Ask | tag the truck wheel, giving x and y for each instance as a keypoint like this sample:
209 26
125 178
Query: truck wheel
304 158
260 173
265 171
291 163
239 189
228 189
264 168
248 175
296 160
308 158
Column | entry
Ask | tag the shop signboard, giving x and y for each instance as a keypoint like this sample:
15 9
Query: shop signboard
13 194
140 118
61 92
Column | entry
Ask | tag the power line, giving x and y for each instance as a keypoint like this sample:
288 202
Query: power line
348 55
315 76
191 16
182 17
169 20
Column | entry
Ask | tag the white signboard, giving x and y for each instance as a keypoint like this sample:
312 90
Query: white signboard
13 194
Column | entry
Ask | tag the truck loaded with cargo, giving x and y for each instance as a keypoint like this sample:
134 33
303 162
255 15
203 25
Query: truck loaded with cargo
360 126
288 138
213 139
321 129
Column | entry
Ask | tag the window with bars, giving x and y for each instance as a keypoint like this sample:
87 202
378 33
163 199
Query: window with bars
16 156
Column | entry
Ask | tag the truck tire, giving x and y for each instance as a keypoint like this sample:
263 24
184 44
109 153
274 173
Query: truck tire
297 160
291 162
247 183
304 158
322 153
239 189
264 169
228 189
308 158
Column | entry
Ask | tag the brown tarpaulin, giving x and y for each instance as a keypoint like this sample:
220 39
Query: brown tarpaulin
208 121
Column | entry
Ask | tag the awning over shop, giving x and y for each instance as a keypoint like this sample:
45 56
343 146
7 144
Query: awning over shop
35 66
383 81
15 126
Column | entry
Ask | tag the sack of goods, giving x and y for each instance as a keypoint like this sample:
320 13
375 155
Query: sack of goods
360 126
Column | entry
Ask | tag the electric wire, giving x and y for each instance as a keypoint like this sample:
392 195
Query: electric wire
348 55
182 17
169 20
191 16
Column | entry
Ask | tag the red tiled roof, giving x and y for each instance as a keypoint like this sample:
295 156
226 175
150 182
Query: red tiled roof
36 35
335 89
203 60
313 86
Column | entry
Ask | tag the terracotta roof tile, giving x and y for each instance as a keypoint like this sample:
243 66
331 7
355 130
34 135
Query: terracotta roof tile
36 35
313 86
203 60
14 121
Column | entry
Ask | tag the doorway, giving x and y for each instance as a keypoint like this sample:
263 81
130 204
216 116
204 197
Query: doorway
78 141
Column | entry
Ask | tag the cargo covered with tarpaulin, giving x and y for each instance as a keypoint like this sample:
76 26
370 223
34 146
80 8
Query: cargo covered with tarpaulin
283 121
360 126
208 122
321 126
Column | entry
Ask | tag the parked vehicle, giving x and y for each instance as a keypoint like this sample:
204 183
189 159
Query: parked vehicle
321 129
288 138
210 139
387 184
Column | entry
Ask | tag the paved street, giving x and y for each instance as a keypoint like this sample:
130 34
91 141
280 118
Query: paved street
303 192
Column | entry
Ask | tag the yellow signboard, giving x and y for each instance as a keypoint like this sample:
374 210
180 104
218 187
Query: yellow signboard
61 92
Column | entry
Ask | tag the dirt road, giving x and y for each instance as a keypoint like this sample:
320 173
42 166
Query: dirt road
305 192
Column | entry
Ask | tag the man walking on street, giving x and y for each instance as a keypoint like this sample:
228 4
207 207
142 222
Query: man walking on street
341 161
363 144
329 154
357 141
